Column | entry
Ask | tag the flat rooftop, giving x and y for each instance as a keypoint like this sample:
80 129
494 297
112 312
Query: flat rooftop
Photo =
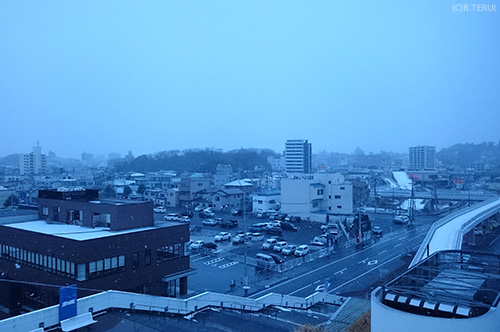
79 233
450 284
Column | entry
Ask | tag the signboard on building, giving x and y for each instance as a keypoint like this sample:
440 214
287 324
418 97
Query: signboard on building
67 302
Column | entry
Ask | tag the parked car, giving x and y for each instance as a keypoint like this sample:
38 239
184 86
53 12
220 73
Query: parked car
401 219
280 216
187 214
209 245
289 226
160 209
198 208
277 259
275 223
240 238
279 246
329 227
209 222
172 217
184 219
259 227
320 238
293 219
237 212
274 230
313 246
269 244
204 214
377 231
288 249
227 224
302 250
257 237
261 215
196 245
222 236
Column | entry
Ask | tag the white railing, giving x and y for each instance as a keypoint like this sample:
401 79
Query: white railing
49 317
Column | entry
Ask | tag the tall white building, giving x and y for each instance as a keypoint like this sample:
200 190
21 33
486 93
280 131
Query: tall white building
33 163
422 157
298 156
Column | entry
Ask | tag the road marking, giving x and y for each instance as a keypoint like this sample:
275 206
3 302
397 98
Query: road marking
228 264
365 273
383 251
316 282
321 288
402 238
266 291
213 261
373 262
397 245
340 271
363 261
494 241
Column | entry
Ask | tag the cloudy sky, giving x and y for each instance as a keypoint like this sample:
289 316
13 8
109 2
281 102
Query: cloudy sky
148 76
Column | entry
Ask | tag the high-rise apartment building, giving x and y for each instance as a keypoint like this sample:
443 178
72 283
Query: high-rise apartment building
34 162
422 157
298 156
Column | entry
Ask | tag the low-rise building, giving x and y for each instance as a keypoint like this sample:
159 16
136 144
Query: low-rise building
94 243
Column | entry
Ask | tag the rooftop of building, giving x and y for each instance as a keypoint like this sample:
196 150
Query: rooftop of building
449 284
79 233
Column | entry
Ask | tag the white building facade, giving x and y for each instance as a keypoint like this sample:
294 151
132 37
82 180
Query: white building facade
316 196
33 163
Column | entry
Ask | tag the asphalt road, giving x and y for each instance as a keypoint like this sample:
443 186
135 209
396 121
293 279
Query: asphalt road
348 270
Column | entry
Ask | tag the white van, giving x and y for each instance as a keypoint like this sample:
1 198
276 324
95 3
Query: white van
265 261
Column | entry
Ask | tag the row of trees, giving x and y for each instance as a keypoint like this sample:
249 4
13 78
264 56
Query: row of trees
197 161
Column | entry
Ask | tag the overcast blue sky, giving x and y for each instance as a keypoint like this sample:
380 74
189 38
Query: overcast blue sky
148 76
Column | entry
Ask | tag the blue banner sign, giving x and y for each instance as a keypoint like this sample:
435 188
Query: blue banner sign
67 302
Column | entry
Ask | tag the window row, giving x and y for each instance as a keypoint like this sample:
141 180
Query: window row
45 262
101 267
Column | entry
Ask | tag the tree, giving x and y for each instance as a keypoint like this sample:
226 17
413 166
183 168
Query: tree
126 191
11 200
108 192
141 189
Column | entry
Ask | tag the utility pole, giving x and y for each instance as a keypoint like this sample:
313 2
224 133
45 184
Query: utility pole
412 200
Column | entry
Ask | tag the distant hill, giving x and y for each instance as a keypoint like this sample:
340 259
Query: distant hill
464 155
11 160
197 161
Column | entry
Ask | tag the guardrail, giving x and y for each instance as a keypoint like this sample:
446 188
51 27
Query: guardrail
49 317
421 252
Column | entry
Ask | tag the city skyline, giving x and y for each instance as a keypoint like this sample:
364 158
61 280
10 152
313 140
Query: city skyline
166 76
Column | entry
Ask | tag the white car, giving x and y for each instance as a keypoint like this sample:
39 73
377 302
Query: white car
209 222
269 244
401 219
184 219
302 250
288 249
196 245
160 209
257 237
172 217
198 209
279 246
222 236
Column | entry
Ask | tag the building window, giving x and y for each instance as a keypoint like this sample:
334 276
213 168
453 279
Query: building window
259 202
169 252
315 204
330 208
337 196
342 188
217 198
45 211
147 257
135 260
339 206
